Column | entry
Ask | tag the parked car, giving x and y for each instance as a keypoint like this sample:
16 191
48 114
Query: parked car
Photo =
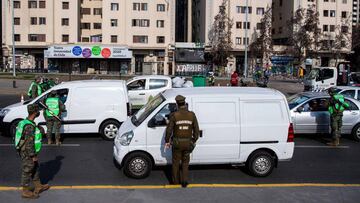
238 126
349 91
93 106
142 88
309 112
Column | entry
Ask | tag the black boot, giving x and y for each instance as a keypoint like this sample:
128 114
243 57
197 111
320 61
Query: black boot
184 184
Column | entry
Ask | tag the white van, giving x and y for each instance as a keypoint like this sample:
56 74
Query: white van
93 106
238 125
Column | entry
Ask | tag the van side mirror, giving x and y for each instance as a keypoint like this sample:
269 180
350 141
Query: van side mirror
151 123
300 109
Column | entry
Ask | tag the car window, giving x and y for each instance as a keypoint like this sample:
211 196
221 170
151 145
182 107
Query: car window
157 83
348 93
296 100
61 93
164 113
352 105
315 105
137 85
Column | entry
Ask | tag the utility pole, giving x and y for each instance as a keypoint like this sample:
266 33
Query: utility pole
13 43
246 39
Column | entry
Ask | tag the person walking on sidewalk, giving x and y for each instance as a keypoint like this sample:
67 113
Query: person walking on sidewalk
28 144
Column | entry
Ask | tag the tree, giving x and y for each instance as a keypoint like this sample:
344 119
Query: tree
261 46
220 36
305 38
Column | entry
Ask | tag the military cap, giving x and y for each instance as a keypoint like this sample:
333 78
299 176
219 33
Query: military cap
32 108
180 99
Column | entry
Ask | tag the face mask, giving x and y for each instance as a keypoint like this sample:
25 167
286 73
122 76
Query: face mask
37 114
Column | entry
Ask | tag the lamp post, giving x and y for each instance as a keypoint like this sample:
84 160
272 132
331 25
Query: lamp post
246 39
13 44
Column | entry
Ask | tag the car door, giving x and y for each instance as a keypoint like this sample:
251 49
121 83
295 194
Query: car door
313 117
137 93
350 117
156 135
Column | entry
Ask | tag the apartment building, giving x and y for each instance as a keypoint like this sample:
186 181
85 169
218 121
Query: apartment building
332 14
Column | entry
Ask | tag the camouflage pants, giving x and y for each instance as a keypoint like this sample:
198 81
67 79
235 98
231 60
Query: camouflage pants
53 125
178 156
29 171
336 123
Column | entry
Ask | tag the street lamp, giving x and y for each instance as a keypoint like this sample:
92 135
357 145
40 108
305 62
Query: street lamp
246 39
13 44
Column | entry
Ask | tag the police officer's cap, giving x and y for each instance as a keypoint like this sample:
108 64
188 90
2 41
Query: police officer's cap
180 99
33 108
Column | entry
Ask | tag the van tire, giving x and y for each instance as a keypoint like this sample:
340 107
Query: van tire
356 132
137 165
260 164
109 129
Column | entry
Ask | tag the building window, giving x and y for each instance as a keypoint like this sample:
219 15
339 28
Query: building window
326 0
258 26
65 21
280 16
238 25
248 25
140 23
97 11
343 14
280 30
65 5
326 13
344 29
160 7
17 4
160 39
144 6
17 37
238 41
42 4
65 38
97 26
273 31
85 11
243 9
113 38
160 23
332 0
140 6
16 21
32 4
37 38
33 21
325 28
114 6
42 21
246 41
281 2
332 13
85 39
140 39
344 1
114 22
96 38
85 26
332 28
260 11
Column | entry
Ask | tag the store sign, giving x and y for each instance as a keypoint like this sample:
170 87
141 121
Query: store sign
87 52
184 68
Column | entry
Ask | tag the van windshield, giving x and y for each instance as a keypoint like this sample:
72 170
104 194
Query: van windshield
314 73
146 110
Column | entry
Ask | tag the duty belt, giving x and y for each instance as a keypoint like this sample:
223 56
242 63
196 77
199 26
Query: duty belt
182 138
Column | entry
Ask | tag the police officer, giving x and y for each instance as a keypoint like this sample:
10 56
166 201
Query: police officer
336 108
183 129
35 88
28 143
52 115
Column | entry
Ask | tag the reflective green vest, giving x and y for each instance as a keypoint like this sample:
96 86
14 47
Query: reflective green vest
39 90
339 106
19 131
53 104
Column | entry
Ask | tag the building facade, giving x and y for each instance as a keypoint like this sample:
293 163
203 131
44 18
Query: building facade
356 12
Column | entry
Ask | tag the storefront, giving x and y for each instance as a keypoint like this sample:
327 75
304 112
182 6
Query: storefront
282 64
190 60
87 59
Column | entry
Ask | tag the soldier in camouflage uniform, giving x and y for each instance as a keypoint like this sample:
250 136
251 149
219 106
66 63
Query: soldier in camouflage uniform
183 129
55 107
28 144
35 88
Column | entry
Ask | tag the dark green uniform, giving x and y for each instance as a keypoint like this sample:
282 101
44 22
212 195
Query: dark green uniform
183 129
52 123
337 105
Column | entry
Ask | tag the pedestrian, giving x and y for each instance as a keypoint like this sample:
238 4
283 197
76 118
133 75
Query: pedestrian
35 88
52 117
183 129
336 108
234 80
211 79
28 144
301 74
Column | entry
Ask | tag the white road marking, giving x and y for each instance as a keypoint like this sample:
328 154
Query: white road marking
321 146
45 145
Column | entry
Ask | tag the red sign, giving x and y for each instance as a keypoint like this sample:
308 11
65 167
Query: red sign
106 53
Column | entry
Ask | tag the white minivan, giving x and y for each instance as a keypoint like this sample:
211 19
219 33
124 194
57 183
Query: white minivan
238 125
92 106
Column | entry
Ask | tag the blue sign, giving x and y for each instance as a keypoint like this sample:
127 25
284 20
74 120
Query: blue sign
77 51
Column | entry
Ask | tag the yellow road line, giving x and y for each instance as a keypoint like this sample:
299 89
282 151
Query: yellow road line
280 185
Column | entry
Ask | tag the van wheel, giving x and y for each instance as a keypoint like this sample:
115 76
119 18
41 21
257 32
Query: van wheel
13 126
109 129
356 132
137 165
260 164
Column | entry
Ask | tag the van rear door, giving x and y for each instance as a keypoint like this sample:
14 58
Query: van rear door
219 122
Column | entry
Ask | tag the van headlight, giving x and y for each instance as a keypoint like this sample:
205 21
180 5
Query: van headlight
3 112
125 138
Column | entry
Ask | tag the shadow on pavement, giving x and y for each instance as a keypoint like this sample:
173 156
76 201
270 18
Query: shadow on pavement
49 169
